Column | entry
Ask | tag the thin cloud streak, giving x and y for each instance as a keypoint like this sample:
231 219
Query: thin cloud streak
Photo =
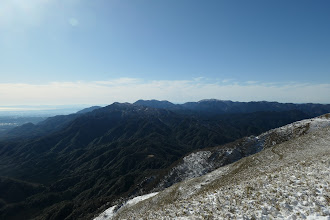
131 89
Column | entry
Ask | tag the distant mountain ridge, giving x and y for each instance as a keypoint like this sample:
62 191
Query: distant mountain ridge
157 104
90 109
215 106
207 107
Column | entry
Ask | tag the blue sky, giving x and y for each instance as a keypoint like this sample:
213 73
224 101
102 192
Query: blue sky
101 51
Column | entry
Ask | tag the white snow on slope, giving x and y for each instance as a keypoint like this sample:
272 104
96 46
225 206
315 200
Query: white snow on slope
194 164
107 214
139 199
110 212
299 128
287 181
204 161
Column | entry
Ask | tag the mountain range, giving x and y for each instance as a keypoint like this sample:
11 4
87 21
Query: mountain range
72 166
214 106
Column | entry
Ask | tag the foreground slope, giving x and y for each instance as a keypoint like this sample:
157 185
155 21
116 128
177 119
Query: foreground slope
203 161
287 180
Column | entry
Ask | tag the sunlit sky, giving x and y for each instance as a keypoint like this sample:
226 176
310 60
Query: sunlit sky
102 51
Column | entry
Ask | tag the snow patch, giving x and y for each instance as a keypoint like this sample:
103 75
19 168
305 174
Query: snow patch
107 214
140 198
110 212
307 125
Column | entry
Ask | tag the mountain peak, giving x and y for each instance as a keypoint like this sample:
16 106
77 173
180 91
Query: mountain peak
156 104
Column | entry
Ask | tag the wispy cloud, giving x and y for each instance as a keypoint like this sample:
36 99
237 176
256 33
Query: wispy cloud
227 80
131 89
119 81
251 82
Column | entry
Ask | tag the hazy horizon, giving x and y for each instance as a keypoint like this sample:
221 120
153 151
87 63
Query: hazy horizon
72 52
77 107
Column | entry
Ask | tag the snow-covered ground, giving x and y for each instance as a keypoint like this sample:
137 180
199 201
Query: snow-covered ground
287 181
294 130
107 214
204 161
194 164
138 199
110 212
